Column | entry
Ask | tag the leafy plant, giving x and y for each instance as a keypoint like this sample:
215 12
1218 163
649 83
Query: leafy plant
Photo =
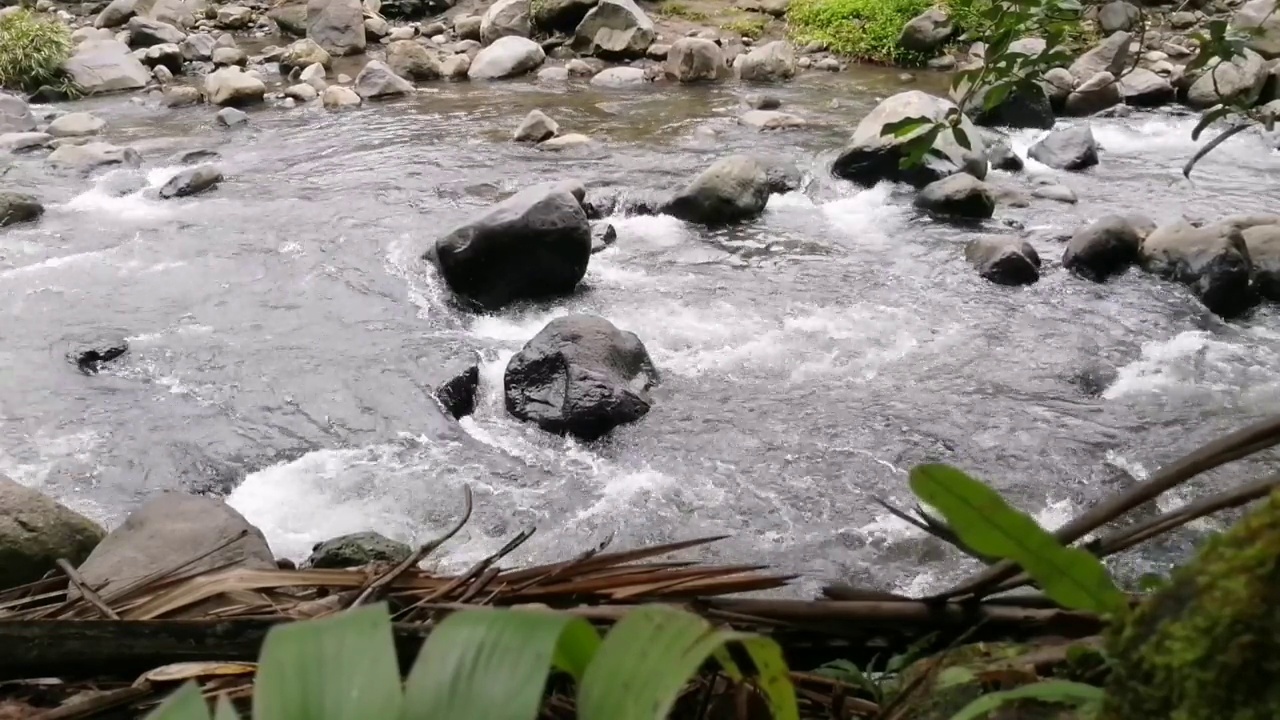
489 664
748 27
1061 692
32 50
862 29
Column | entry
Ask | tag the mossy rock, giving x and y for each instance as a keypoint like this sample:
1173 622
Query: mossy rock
35 532
1207 646
357 549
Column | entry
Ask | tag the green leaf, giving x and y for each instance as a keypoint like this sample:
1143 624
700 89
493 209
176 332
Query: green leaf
995 96
962 137
653 652
1210 116
488 664
904 127
225 710
917 147
982 519
336 668
1060 692
954 675
186 703
1152 582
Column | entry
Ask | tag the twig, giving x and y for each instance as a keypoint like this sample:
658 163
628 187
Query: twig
1209 147
87 592
97 702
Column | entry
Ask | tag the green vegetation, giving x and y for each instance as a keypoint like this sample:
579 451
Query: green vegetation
673 9
32 50
862 29
747 27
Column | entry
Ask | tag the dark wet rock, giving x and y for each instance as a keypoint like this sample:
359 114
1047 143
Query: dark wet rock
357 550
167 56
603 235
15 114
693 60
230 117
409 59
1093 380
192 181
170 528
614 29
561 16
1055 191
581 376
1093 95
145 32
1213 261
927 32
189 157
1259 20
1004 260
871 157
1107 246
1072 148
413 9
1263 242
337 26
961 195
762 102
1240 81
507 57
505 18
16 207
1111 55
772 62
783 174
1118 15
1023 107
1143 88
1000 153
458 385
733 189
377 80
534 244
91 356
93 155
536 127
35 532
103 66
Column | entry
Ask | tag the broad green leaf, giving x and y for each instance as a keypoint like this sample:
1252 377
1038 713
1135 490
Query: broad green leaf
1210 116
652 653
995 96
225 710
917 147
186 703
962 137
341 667
488 664
904 127
982 519
1061 692
770 671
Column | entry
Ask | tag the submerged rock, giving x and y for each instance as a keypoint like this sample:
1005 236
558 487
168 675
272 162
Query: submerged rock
1107 246
1263 242
90 357
614 29
357 550
192 181
1071 148
1213 261
1004 260
960 195
36 531
15 114
458 386
733 189
534 244
93 155
581 376
18 207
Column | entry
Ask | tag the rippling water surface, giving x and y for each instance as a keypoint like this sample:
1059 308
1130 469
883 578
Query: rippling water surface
283 331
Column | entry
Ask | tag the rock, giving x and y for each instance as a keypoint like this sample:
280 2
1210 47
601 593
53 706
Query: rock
1213 261
507 57
414 9
357 550
467 27
580 68
1111 55
226 56
1070 148
505 18
15 142
553 76
457 386
1058 84
102 66
304 53
870 157
90 357
1004 260
733 189
560 15
15 114
314 75
534 244
617 77
93 155
234 17
18 207
35 532
961 195
180 96
603 236
290 19
1144 88
233 86
1117 16
927 32
828 64
336 25
230 117
1107 246
536 128
1239 81
377 80
770 120
170 529
771 62
115 14
1259 20
614 29
456 67
1061 193
191 181
76 124
198 46
1000 153
1182 20
694 60
1263 242
1025 107
145 32
581 376
167 56
375 28
410 59
337 97
566 142
1094 95
301 92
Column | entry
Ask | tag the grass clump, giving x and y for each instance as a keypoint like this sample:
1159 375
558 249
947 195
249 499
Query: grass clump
32 50
862 29
747 27
680 10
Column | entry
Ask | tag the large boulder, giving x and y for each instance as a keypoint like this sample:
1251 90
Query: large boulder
1213 261
1107 246
733 189
306 52
377 80
505 18
145 32
1117 16
580 376
771 62
507 57
534 244
1111 55
15 115
560 15
871 155
1239 81
103 66
357 550
35 532
927 32
1143 88
233 86
92 156
1263 241
961 195
1093 95
291 20
694 60
170 529
614 29
409 59
1004 260
1072 148
18 207
1260 21
1024 106
179 13
336 25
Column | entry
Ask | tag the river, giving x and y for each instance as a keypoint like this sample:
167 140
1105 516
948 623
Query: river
283 330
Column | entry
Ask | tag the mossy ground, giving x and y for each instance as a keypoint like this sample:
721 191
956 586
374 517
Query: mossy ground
32 50
861 29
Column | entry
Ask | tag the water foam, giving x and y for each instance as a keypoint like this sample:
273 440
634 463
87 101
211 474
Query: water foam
1192 362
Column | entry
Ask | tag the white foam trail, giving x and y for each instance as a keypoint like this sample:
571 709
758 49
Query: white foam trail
1190 361
868 216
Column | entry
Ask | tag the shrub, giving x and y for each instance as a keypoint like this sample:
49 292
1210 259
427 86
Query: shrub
32 50
862 29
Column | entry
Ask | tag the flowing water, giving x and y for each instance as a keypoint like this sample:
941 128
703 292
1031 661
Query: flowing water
283 331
